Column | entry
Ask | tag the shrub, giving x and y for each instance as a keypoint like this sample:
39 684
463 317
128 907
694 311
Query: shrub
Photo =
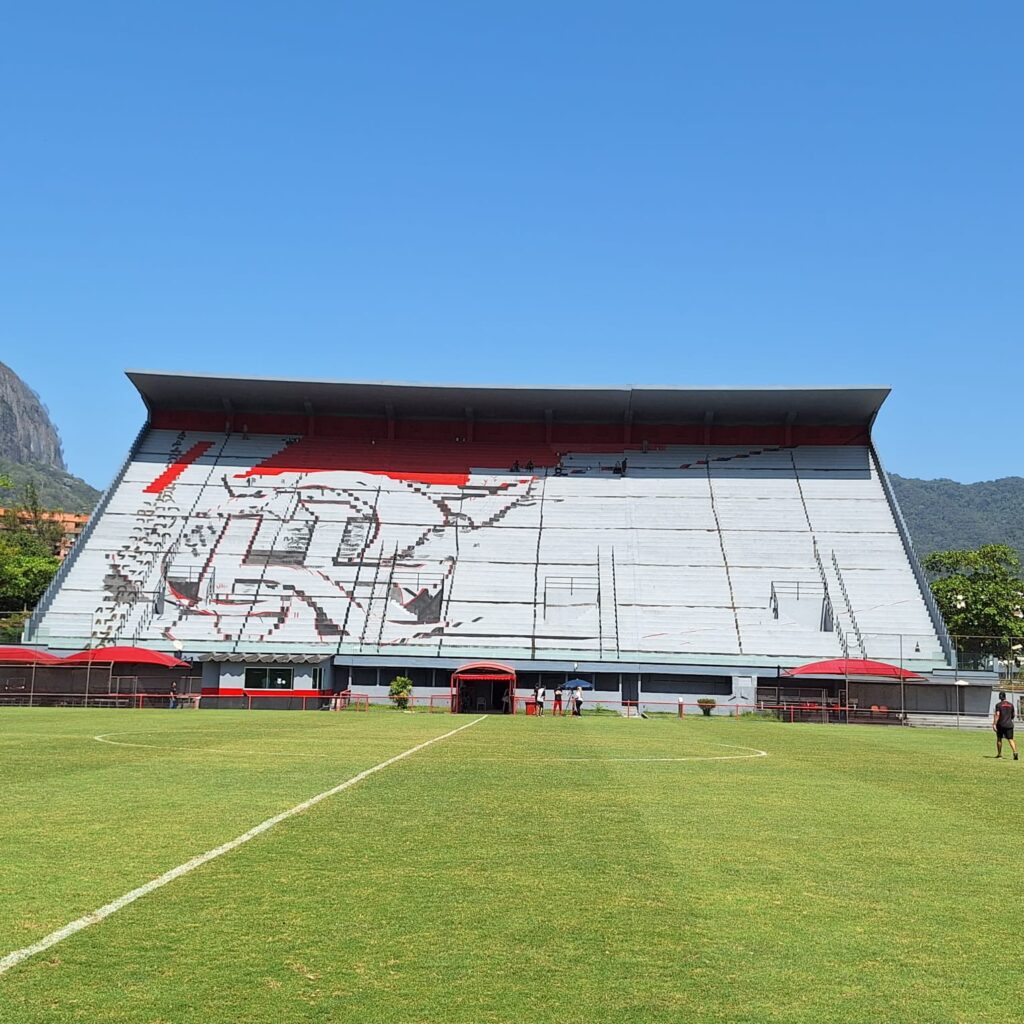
401 687
707 702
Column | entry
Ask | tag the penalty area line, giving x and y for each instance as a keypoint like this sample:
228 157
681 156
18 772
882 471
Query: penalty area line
95 917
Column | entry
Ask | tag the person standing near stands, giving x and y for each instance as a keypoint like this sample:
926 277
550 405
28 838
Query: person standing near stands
556 708
540 699
577 701
1002 725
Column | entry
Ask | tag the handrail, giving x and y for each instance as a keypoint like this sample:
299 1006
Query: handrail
849 605
908 546
844 646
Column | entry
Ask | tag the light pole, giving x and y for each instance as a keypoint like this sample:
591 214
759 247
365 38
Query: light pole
903 687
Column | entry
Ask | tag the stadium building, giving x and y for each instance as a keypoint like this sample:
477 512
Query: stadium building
298 536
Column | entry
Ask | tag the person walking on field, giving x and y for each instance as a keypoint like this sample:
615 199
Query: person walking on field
1002 726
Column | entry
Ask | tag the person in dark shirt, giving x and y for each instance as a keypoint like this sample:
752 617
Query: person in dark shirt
1002 725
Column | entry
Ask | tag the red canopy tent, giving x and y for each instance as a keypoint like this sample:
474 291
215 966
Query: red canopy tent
857 668
124 656
26 656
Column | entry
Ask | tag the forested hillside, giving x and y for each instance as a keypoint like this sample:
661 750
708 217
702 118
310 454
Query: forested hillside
944 514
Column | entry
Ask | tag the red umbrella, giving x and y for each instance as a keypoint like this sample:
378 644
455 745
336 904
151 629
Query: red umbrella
125 656
26 655
847 667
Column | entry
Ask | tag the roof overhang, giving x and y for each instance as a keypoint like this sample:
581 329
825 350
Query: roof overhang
721 405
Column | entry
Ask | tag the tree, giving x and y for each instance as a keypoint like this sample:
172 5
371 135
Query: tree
401 687
981 596
29 542
30 525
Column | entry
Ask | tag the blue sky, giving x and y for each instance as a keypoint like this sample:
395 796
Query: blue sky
520 192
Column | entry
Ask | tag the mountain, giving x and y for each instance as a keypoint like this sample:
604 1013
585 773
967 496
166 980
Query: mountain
26 433
30 451
944 514
56 488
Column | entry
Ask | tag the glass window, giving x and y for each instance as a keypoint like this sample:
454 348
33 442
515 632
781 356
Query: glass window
707 686
318 677
421 677
271 678
364 677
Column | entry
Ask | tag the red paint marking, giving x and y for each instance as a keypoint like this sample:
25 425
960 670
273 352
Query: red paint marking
445 463
173 471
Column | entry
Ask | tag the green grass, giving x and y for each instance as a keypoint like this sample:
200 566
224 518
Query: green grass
513 872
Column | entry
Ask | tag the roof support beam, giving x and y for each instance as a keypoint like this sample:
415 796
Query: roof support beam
787 439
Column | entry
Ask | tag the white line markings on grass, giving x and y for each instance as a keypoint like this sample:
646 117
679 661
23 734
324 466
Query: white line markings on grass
754 752
103 737
20 955
695 757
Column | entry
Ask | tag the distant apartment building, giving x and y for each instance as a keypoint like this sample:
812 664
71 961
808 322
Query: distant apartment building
72 524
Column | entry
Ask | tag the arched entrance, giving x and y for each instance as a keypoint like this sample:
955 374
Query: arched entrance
483 687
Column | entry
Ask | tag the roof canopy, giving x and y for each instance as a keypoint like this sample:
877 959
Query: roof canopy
853 667
484 670
26 656
846 406
124 656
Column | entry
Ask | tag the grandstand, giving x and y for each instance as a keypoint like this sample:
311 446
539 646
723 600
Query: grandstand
655 541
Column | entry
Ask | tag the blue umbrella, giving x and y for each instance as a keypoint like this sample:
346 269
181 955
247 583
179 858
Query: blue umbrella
581 683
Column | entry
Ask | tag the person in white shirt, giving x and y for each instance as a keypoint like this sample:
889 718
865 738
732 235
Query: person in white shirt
577 701
540 700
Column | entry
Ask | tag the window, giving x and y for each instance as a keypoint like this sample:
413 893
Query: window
707 686
364 677
421 677
318 677
270 678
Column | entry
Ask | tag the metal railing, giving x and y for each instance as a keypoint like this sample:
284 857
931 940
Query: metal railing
849 605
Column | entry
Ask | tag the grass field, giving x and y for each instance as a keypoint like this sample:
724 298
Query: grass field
520 870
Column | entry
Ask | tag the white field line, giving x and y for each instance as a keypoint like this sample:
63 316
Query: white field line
754 752
695 757
20 955
229 751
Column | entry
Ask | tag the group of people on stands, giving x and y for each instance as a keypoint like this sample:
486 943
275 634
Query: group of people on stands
575 700
619 467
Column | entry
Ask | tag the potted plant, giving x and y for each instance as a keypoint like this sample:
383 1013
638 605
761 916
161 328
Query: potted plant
706 704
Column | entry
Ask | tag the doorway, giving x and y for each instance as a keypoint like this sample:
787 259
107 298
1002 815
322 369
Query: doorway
483 688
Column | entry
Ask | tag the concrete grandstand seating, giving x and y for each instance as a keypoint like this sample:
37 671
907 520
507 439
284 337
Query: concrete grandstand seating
250 543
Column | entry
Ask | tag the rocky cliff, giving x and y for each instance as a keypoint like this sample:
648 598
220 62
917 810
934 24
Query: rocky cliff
26 433
30 451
